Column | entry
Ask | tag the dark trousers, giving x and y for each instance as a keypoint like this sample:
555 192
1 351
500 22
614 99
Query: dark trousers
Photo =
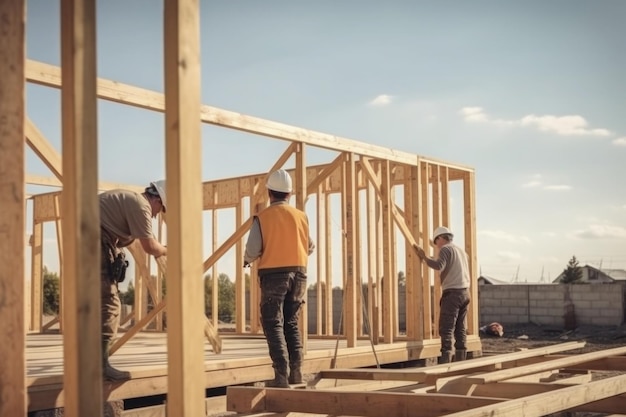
110 305
453 319
282 295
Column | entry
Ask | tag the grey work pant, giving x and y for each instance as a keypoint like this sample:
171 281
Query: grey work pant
110 304
453 319
282 295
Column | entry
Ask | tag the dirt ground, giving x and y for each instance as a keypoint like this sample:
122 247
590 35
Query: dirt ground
528 336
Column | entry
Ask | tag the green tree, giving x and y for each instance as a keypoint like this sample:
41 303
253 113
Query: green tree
51 291
225 296
128 297
401 279
572 274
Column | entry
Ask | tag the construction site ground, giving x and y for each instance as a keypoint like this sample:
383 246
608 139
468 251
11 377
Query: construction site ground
528 336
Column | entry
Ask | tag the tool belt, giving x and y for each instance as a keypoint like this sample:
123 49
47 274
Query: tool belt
113 259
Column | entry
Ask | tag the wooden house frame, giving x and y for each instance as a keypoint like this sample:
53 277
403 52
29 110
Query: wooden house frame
364 175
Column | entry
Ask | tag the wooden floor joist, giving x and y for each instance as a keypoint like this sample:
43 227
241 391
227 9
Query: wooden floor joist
487 386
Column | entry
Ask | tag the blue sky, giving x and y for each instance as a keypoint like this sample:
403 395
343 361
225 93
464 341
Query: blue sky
531 94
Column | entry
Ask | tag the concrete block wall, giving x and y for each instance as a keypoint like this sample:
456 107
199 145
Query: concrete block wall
601 304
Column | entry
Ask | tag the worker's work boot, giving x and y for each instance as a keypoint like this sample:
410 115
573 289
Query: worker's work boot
446 357
460 355
279 381
109 372
295 376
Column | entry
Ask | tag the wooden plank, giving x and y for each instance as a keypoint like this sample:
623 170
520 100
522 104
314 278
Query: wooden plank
422 374
55 182
350 284
43 149
13 218
387 262
240 284
234 238
81 215
328 265
370 214
36 276
348 403
215 289
300 197
59 230
320 252
544 366
44 74
469 220
546 403
425 244
185 290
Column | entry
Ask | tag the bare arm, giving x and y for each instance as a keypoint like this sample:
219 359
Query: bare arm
152 247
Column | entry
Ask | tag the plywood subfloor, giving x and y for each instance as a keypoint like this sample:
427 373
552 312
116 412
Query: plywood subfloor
244 359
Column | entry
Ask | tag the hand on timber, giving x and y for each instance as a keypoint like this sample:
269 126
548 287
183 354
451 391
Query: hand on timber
420 251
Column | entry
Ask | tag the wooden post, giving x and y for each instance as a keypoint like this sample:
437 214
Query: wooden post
12 220
469 205
36 274
185 295
81 216
425 243
301 195
349 243
388 278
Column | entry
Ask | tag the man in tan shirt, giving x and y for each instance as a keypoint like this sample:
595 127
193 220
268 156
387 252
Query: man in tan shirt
124 216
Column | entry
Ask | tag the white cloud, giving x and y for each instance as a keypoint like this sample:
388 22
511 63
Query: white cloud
501 235
381 101
473 114
532 184
620 141
536 182
508 256
601 231
548 234
558 187
570 125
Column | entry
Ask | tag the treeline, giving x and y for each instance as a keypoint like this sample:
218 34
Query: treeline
225 296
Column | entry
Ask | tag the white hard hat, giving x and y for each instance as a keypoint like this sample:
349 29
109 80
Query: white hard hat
279 181
160 188
441 230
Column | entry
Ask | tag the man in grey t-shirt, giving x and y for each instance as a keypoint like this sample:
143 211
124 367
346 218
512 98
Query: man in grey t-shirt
124 216
455 281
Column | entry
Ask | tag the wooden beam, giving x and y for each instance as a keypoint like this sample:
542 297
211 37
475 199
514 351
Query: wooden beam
13 218
469 220
300 197
348 206
455 368
43 149
55 182
49 75
550 402
36 275
348 403
185 290
544 366
81 215
234 238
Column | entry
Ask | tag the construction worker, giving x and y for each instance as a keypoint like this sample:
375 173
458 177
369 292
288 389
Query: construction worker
279 239
455 298
124 216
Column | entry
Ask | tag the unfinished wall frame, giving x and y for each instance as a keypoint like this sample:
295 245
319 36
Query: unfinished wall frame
363 178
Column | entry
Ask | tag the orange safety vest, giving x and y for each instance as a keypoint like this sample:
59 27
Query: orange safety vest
285 234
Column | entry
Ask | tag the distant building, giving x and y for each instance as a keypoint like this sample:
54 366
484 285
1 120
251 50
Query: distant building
485 280
593 275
